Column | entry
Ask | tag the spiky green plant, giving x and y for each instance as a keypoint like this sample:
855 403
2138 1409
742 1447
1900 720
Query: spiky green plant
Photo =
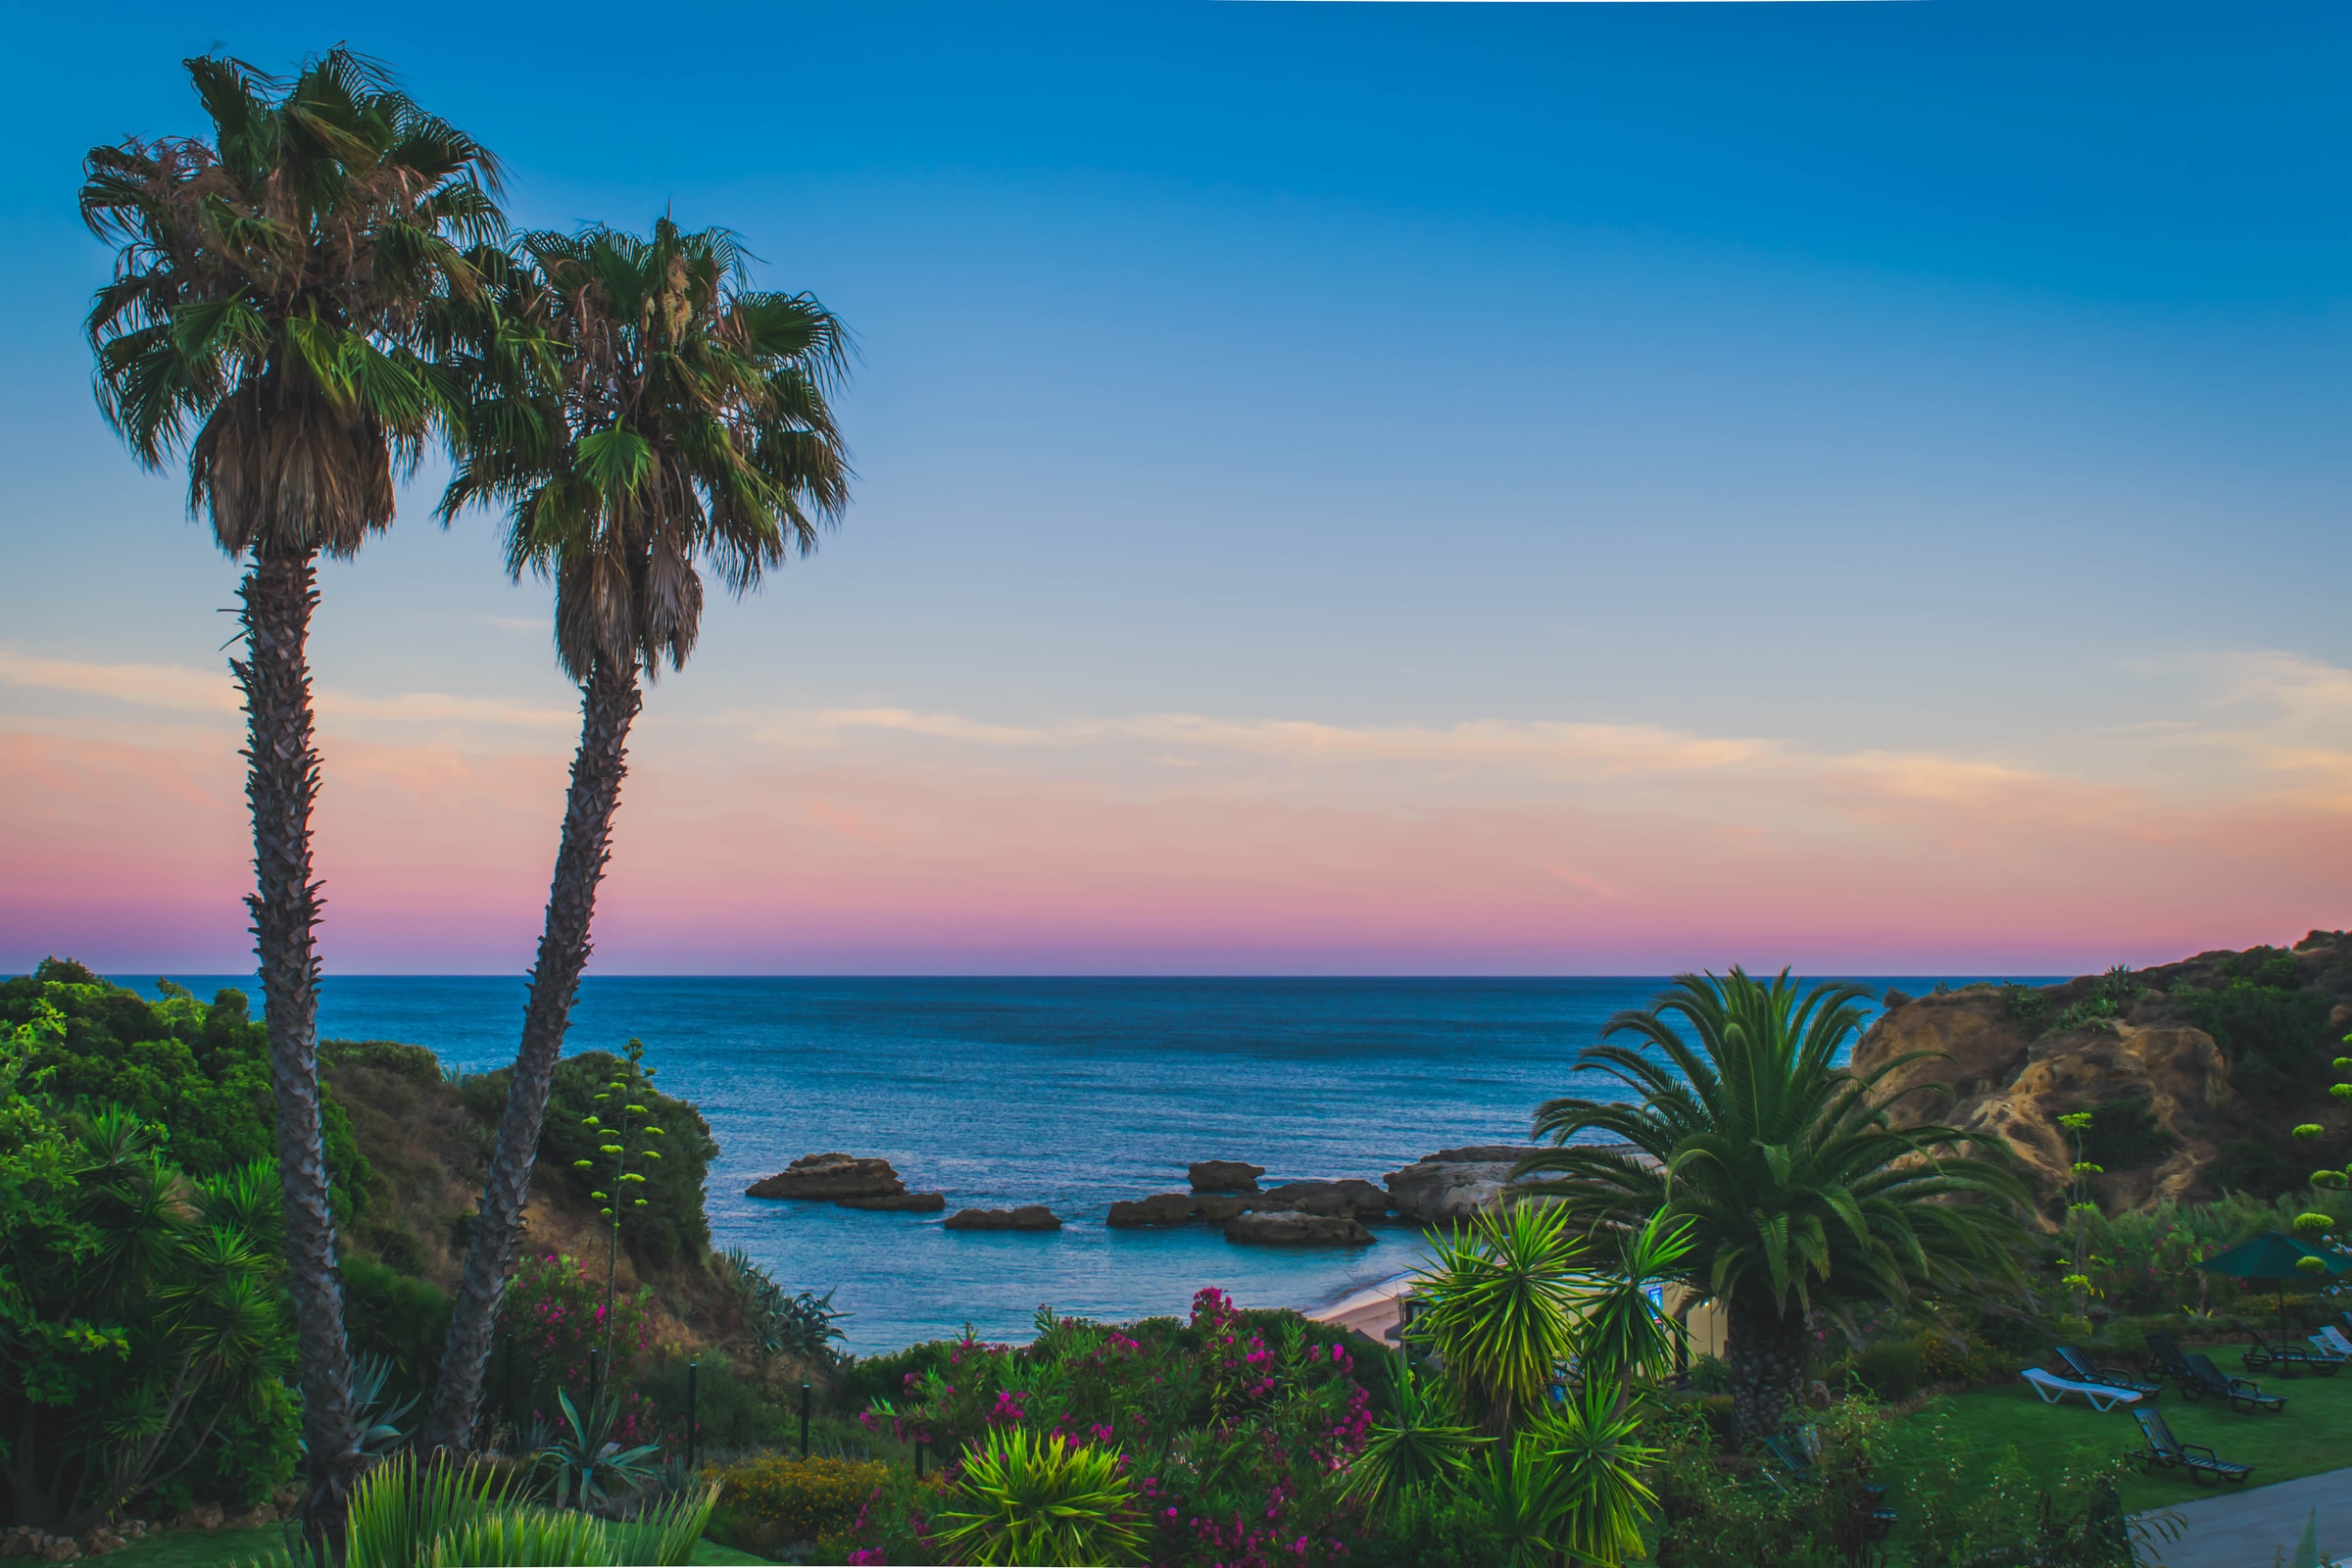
406 1513
1419 1447
1591 1438
1040 1502
1501 1294
1799 1188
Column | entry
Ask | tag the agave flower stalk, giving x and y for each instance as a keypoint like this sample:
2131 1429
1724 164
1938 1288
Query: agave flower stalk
624 1120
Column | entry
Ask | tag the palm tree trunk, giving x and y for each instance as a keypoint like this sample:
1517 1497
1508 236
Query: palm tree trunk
609 703
1767 1357
281 782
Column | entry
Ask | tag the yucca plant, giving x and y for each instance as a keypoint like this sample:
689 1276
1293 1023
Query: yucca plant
1501 1294
1420 1448
1038 1502
407 1514
1591 1441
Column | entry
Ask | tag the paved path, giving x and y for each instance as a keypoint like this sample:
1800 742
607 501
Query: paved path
2255 1529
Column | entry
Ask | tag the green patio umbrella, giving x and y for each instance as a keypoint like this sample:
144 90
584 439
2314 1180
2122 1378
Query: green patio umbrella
2276 1257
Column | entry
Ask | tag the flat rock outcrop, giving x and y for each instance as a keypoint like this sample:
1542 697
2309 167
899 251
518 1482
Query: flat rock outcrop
833 1175
1291 1228
1028 1217
1223 1176
1161 1209
898 1202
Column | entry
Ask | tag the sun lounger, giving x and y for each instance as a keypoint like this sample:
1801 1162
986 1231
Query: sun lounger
2164 1355
2332 1339
1802 1467
2243 1393
2168 1453
2099 1396
2082 1369
2261 1353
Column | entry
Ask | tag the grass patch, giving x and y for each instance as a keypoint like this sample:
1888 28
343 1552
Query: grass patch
2314 1434
235 1548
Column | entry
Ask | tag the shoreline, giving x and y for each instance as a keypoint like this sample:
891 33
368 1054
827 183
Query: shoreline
1371 1311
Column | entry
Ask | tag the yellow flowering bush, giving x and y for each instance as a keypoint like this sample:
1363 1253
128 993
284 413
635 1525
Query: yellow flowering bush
769 1502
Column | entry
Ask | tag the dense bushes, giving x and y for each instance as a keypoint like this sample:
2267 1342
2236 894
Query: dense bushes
2275 1036
1235 1426
197 1073
142 1331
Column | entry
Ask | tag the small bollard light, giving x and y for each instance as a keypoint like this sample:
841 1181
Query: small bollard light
804 1420
919 1458
595 1372
513 1413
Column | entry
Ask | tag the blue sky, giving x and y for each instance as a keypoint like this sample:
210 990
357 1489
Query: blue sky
1964 382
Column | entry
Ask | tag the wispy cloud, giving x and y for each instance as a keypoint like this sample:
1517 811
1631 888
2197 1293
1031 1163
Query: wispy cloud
177 689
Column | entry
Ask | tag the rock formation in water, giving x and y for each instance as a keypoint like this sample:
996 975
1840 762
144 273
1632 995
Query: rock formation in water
830 1176
1223 1176
2192 1071
1453 1184
898 1202
1028 1217
1291 1228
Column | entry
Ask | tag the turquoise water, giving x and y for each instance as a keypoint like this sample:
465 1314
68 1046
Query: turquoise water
1067 1093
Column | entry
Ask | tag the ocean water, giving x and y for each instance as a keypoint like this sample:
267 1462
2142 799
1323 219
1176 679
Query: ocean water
1070 1093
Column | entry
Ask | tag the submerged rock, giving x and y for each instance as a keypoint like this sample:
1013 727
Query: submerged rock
1028 1217
834 1176
1161 1209
1223 1176
899 1203
1291 1228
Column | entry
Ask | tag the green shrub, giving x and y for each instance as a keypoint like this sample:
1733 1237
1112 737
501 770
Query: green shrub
1888 1368
2276 1037
196 1072
396 1316
772 1503
414 1062
733 1412
2122 1135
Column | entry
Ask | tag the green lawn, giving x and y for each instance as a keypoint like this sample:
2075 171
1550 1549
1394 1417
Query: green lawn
231 1548
2315 1433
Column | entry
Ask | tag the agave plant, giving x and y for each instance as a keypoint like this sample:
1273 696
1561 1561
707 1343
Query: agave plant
380 1431
586 1465
1040 1500
407 1514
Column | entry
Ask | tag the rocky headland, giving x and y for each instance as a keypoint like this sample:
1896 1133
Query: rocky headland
2192 1071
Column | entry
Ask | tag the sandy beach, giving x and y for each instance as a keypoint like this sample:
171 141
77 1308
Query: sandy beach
1373 1311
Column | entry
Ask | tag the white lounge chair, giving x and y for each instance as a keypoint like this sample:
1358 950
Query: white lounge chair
2052 1389
2332 1339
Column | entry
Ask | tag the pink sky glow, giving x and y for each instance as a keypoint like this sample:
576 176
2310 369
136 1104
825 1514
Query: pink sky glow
891 840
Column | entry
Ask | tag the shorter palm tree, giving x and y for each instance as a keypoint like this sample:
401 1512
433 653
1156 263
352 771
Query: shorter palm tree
1796 1189
1419 1448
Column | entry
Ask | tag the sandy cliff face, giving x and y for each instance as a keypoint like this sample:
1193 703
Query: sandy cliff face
2004 1062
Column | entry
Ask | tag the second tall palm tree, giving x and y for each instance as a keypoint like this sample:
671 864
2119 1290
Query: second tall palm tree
640 414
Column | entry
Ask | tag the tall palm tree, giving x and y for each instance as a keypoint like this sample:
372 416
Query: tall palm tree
269 303
1797 1189
640 415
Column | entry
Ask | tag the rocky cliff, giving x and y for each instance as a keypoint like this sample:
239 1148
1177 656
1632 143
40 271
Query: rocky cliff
2192 1071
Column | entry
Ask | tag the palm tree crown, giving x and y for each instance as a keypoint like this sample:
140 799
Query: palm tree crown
273 288
640 414
1797 1189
